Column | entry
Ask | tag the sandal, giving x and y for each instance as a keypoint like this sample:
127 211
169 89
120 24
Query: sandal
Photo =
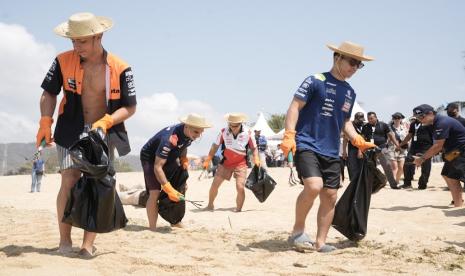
301 241
326 248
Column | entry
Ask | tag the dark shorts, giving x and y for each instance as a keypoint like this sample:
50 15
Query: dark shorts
454 169
151 182
312 164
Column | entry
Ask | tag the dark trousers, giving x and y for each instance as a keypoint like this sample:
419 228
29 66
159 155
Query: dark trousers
354 164
409 171
383 160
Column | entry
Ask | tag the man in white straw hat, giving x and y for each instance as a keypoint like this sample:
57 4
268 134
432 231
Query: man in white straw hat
234 141
319 111
163 154
98 92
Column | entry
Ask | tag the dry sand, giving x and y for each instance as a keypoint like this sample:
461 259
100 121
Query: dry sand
410 232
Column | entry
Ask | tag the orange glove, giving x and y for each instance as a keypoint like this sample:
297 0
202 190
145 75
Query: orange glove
361 144
206 163
256 161
105 123
45 130
173 195
288 143
184 162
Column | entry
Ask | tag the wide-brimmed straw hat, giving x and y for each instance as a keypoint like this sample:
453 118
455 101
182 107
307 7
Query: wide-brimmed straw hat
83 24
235 118
195 120
350 49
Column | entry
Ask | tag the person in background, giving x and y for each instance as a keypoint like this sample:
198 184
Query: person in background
453 112
262 146
38 168
448 135
379 132
421 139
395 154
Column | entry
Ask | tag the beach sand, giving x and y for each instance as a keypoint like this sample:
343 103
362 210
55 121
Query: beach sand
412 232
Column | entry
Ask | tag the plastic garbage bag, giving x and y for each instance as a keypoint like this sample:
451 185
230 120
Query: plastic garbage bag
351 213
94 204
173 212
260 183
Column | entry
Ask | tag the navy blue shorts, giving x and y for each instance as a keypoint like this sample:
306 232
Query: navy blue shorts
455 169
312 164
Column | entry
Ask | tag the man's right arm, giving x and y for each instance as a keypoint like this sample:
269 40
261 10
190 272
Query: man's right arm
48 103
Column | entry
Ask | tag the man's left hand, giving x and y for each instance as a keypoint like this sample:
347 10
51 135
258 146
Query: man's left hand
184 162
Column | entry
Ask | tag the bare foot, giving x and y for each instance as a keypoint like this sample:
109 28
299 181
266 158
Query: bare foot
65 248
209 208
178 225
237 210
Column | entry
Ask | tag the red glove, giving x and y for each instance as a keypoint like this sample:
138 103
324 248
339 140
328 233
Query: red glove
206 163
173 195
361 144
105 123
184 162
288 143
45 130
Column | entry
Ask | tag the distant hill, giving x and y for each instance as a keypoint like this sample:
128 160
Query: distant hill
17 158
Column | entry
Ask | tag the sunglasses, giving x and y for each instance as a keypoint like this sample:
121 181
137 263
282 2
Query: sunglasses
353 62
396 118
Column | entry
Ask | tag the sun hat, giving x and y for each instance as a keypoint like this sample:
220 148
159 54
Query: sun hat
195 120
83 24
350 49
398 115
235 118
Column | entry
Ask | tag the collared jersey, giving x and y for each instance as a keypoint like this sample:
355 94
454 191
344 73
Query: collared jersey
451 130
167 144
328 104
66 72
234 147
379 133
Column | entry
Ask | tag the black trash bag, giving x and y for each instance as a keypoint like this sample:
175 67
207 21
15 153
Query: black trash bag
351 213
90 154
94 204
173 212
260 183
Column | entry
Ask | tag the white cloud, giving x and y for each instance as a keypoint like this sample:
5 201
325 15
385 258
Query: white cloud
24 62
164 109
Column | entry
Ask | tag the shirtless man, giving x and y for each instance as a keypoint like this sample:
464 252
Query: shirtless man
98 92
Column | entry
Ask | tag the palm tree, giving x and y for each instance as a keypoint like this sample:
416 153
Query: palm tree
276 122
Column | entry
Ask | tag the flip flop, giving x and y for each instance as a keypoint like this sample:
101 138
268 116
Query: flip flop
301 242
326 248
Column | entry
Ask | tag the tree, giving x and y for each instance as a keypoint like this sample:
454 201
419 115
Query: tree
276 122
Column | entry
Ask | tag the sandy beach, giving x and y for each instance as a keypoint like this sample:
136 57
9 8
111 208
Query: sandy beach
410 232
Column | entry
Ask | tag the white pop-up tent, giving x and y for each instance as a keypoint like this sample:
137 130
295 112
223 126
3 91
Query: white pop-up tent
263 126
357 108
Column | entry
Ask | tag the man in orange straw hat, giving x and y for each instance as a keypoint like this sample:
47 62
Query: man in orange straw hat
234 142
98 92
319 111
160 157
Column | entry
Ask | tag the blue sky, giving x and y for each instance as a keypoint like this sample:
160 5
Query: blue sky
214 57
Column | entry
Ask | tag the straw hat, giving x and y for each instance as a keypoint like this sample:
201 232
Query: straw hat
83 24
195 120
235 118
350 49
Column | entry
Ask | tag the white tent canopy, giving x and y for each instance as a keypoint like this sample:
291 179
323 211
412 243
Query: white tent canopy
263 126
357 108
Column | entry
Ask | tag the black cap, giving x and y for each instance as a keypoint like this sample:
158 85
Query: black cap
360 116
452 106
398 115
422 110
